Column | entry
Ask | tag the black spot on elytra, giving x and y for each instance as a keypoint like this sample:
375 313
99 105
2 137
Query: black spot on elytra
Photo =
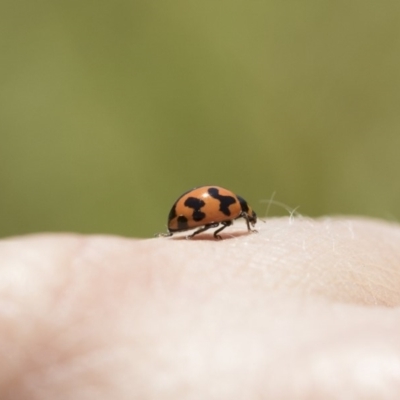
182 223
196 204
224 201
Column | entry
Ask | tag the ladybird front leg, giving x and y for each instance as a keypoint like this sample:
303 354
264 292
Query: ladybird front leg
202 229
247 218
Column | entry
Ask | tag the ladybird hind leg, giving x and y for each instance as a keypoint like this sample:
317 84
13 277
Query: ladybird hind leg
202 229
166 234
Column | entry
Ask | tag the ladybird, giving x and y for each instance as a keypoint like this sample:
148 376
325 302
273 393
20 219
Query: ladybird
208 207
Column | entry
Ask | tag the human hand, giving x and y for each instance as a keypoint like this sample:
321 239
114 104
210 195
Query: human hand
304 309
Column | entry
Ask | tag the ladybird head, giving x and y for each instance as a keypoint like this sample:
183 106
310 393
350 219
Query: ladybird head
248 210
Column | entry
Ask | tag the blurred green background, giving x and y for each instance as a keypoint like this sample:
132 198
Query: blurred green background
109 110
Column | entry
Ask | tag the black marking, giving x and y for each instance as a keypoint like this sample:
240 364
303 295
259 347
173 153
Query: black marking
196 204
224 201
182 223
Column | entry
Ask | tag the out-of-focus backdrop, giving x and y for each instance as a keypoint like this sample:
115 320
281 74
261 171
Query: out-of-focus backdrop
109 110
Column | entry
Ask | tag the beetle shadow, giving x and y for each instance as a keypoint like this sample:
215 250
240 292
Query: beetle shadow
210 236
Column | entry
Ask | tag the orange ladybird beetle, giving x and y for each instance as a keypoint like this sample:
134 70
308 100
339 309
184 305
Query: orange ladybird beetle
208 207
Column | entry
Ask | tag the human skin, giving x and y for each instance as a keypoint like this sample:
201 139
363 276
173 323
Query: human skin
305 309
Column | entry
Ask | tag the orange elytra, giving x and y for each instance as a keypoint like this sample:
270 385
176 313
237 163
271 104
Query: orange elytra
208 207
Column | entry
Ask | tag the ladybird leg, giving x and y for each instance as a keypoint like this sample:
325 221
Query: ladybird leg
166 234
202 229
246 217
224 225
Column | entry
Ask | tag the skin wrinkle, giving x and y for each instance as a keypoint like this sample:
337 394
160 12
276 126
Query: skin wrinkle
336 245
359 365
351 260
160 318
296 277
218 352
17 279
51 334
